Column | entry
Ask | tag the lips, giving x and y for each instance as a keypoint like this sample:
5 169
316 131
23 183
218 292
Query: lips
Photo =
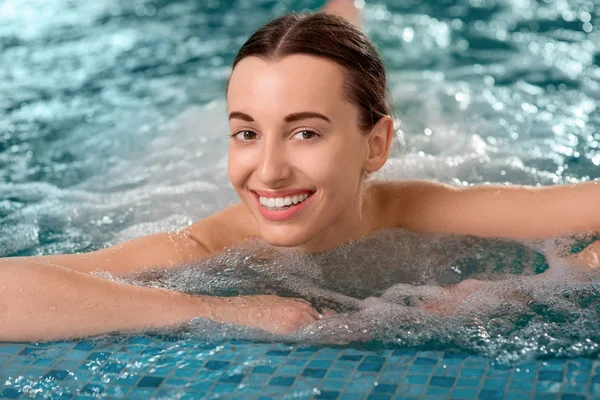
280 205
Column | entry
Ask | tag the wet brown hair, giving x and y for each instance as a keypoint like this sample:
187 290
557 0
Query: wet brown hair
333 38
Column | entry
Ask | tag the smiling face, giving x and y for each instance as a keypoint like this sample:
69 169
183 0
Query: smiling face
296 140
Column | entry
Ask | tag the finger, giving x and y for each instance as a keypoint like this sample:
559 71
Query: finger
327 313
302 301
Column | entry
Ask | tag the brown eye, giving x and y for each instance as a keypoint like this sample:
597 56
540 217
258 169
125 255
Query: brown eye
249 135
244 136
305 135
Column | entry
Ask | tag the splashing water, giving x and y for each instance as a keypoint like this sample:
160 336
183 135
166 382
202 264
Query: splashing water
509 300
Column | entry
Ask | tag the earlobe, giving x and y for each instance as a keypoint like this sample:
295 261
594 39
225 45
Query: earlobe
379 143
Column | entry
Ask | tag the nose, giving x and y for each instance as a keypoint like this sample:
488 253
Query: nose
274 168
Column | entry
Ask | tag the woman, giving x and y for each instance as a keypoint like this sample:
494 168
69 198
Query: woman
308 122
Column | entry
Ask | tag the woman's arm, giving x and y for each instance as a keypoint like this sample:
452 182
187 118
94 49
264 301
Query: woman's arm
169 249
42 302
344 8
495 210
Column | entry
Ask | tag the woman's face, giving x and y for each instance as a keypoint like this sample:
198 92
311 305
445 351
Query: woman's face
296 140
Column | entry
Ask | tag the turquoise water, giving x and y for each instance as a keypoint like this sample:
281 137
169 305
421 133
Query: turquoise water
112 126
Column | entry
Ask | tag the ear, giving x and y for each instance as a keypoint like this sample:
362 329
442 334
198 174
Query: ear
379 141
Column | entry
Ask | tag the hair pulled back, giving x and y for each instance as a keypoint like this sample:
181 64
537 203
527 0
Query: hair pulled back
333 38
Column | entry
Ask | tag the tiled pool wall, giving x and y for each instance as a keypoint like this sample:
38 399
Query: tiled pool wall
146 367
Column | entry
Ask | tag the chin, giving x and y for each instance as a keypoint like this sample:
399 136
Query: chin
283 240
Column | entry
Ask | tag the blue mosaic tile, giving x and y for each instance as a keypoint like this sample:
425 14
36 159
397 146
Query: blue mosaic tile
554 376
300 362
521 385
216 365
290 370
351 357
314 372
85 346
385 388
369 367
488 394
202 386
92 389
495 384
328 394
425 361
185 372
420 369
544 396
333 371
578 376
175 382
413 390
57 374
353 396
548 386
331 384
278 353
467 382
437 391
379 397
571 396
464 393
150 381
404 352
224 388
416 379
339 374
10 349
446 371
236 378
263 369
282 381
455 355
516 396
10 393
99 356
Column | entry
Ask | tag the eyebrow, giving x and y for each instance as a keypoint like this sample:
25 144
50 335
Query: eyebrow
289 118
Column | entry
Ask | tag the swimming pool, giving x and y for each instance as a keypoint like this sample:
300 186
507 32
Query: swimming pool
113 125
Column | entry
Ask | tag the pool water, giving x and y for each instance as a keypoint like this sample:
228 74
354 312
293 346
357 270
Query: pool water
112 125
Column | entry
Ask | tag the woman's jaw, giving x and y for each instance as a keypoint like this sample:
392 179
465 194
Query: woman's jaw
300 226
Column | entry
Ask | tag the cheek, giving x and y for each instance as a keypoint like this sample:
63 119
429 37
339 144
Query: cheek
239 164
337 168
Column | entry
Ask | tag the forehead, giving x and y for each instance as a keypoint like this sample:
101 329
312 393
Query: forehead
287 84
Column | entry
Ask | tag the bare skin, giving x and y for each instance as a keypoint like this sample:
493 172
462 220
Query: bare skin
276 148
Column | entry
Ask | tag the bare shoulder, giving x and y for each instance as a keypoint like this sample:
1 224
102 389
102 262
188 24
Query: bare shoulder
415 205
225 228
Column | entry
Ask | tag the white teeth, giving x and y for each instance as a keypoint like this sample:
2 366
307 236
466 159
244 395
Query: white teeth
279 202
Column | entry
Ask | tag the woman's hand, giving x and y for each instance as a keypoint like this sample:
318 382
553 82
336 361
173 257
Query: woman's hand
271 313
590 256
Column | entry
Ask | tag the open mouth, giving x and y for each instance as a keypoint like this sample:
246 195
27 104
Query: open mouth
283 203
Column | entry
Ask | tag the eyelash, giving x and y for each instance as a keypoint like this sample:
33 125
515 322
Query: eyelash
235 134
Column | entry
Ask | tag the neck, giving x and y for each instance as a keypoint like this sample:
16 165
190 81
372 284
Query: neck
352 224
